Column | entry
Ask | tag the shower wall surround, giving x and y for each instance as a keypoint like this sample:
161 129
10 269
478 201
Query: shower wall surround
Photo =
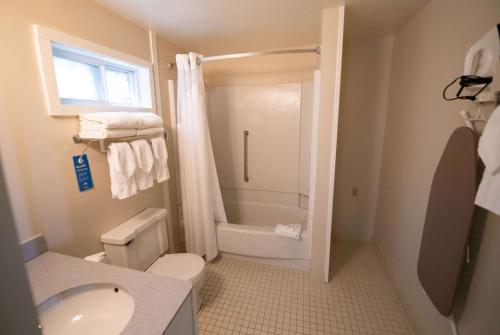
277 119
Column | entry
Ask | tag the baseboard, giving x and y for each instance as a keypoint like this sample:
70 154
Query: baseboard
295 264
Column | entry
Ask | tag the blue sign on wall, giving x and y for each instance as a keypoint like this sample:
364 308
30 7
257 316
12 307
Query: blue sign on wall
82 171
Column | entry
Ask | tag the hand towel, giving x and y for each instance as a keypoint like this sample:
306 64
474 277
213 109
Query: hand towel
122 167
489 143
106 133
160 154
144 160
150 131
488 193
288 230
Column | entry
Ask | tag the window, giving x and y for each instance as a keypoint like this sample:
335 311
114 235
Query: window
119 86
77 80
81 77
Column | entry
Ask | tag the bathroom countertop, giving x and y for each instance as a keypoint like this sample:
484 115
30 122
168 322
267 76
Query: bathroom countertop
157 299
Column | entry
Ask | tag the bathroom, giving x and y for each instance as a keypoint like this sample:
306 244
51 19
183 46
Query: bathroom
350 158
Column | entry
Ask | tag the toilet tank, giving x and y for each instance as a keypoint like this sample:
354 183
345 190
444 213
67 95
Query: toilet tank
139 241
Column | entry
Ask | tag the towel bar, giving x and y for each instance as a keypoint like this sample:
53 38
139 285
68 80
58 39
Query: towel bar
103 141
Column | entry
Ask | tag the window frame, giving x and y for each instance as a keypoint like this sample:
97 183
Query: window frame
74 48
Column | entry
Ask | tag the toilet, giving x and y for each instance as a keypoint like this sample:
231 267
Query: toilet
139 244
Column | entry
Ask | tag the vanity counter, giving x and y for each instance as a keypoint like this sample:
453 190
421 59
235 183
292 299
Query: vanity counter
157 299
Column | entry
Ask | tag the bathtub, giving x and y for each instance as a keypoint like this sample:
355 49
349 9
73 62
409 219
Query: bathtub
250 234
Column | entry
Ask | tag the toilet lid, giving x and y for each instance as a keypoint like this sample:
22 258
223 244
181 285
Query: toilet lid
181 266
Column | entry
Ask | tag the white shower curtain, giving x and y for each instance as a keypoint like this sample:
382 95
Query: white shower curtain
201 196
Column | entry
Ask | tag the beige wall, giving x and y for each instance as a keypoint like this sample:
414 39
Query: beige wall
262 70
37 149
363 103
429 52
220 72
270 78
166 54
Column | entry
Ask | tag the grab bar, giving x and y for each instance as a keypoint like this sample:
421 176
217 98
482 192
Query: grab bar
245 156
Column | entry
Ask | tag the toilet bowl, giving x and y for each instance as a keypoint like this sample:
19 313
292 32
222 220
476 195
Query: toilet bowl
141 242
183 266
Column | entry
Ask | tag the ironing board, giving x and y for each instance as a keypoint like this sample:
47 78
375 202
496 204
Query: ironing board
448 222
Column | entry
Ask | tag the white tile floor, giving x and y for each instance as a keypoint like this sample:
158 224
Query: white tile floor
248 298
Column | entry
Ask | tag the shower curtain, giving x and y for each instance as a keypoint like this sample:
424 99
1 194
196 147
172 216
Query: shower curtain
201 196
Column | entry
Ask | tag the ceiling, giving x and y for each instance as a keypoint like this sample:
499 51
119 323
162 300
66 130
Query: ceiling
222 26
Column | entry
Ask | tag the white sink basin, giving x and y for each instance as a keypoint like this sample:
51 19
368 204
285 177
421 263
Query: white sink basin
87 309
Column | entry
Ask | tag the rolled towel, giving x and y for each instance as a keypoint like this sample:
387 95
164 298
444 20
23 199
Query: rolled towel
106 133
122 168
288 230
145 161
150 131
160 154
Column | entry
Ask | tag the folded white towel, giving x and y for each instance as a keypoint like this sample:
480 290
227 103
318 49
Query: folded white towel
488 193
150 131
160 154
126 120
288 230
111 120
91 125
144 160
148 120
122 167
106 133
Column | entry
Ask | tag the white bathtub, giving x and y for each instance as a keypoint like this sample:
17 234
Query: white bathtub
251 235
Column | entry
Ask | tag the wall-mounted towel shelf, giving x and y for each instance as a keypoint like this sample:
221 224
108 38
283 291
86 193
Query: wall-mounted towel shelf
104 142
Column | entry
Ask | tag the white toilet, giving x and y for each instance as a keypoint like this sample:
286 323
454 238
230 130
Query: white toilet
139 242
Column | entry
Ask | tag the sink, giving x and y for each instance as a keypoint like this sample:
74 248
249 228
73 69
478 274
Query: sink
102 308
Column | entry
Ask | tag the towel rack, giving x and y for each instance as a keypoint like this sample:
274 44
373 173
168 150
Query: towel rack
104 142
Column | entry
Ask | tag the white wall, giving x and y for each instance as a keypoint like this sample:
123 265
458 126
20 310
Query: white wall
326 139
363 103
429 52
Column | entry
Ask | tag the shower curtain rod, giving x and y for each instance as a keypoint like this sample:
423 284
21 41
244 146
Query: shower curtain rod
316 50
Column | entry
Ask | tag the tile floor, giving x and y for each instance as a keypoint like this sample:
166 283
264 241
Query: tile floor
248 298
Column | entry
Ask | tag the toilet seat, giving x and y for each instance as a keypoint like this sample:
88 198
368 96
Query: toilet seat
183 266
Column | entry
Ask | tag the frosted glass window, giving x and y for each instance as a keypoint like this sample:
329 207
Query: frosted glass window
119 86
76 80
